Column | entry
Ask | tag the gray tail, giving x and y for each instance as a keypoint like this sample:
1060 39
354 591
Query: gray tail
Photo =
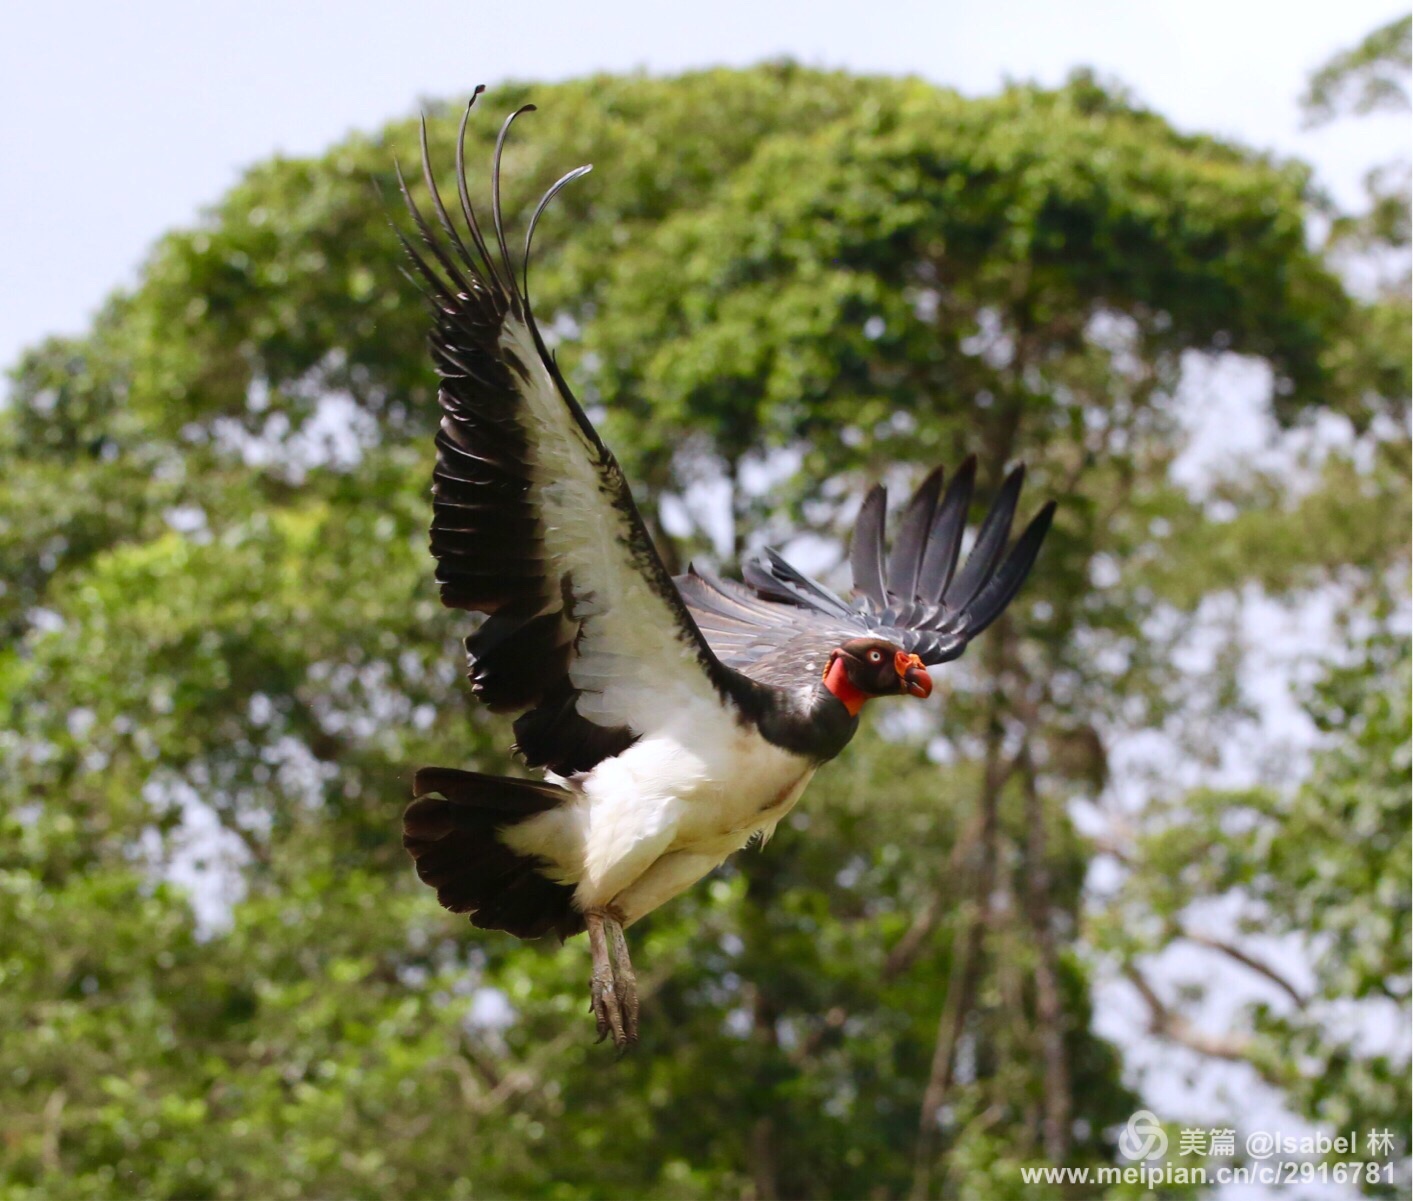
452 831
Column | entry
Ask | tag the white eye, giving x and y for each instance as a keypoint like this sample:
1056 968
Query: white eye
875 656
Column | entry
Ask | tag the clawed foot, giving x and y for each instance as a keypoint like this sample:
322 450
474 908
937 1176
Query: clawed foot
613 988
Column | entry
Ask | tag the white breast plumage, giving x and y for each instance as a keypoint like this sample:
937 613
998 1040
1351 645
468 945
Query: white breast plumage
670 796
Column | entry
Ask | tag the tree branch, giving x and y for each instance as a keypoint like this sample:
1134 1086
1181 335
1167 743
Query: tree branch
1166 1022
53 1130
1247 960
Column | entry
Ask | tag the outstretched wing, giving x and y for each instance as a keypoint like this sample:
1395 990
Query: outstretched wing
779 644
533 524
937 608
915 596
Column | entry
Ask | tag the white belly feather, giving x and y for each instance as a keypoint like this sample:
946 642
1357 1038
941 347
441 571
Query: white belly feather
650 822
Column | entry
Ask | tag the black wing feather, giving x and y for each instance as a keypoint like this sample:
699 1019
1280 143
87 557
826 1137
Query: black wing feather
989 546
779 581
905 563
866 553
992 600
774 627
488 531
944 542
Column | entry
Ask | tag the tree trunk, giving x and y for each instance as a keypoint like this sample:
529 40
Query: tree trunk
966 961
1049 1002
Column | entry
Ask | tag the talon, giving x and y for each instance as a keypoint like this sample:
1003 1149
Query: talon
625 982
613 988
596 1008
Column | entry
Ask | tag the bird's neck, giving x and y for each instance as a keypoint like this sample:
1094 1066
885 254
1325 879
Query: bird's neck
807 721
836 679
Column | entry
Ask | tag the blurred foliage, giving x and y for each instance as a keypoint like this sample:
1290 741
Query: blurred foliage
223 656
1326 866
1373 245
1366 78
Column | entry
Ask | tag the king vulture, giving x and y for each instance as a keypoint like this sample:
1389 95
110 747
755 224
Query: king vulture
673 720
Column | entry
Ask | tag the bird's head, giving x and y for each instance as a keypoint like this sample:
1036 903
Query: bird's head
863 668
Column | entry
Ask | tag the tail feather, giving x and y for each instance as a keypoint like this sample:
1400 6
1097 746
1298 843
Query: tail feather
453 838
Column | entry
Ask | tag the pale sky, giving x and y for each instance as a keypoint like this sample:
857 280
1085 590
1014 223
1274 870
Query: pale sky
120 121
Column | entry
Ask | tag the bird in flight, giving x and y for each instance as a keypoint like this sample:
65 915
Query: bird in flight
674 720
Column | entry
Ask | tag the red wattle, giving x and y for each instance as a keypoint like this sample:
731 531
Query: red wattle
836 679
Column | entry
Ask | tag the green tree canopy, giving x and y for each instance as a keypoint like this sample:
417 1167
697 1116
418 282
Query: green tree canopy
223 644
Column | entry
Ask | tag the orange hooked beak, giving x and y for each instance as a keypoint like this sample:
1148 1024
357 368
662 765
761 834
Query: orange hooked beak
913 674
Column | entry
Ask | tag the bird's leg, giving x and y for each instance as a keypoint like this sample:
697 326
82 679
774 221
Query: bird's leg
603 999
624 978
613 988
